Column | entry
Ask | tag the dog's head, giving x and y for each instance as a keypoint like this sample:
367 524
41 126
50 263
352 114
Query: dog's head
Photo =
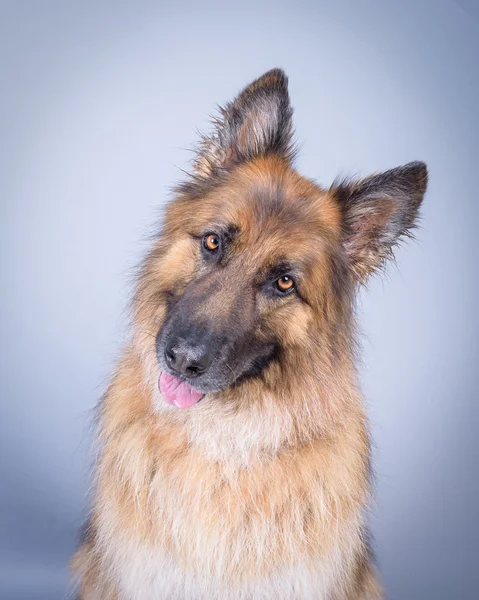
256 267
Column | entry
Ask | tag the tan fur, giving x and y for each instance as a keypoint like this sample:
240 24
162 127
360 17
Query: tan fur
258 491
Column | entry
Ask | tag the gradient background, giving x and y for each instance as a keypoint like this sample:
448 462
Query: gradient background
99 102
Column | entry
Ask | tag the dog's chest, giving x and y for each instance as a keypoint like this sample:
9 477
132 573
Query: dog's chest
149 574
202 531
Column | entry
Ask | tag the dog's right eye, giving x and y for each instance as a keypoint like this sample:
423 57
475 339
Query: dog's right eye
285 284
211 242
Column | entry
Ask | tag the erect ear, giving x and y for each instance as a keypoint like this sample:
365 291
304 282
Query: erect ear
377 212
256 123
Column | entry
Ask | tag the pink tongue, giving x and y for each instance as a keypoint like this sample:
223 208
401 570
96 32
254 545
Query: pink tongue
177 392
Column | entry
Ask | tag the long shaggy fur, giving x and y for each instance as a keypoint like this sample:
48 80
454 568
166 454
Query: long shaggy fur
259 491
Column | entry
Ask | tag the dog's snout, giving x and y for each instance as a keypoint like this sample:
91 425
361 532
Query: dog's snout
187 359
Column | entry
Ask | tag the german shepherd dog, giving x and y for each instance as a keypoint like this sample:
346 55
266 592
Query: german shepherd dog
234 457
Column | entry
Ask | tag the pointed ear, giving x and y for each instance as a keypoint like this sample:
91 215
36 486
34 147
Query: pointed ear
377 212
256 123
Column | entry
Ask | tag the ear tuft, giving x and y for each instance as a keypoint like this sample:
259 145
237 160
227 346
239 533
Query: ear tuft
378 211
258 122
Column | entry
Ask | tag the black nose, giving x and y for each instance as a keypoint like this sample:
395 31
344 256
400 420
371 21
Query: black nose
187 360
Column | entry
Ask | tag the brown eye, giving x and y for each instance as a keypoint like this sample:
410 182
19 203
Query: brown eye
285 283
211 242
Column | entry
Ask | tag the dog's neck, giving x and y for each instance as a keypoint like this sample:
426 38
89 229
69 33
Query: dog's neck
247 423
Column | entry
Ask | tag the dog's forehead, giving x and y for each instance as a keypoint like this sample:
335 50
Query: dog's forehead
266 198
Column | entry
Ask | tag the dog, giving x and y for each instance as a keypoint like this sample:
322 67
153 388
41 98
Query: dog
234 455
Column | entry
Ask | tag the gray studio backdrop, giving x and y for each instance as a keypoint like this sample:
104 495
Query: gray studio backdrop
99 102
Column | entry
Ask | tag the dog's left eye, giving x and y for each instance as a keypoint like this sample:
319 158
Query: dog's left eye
285 284
211 242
